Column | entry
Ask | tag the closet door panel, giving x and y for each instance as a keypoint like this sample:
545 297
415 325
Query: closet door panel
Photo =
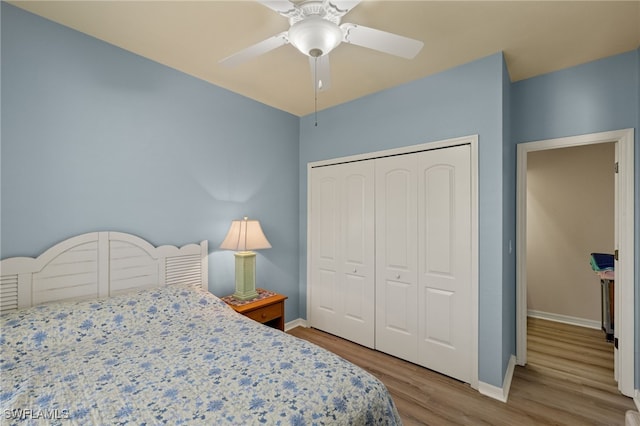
396 256
324 294
357 233
438 311
358 218
439 220
325 264
357 320
341 283
444 261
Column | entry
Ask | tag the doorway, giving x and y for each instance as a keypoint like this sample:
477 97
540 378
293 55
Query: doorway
570 214
624 232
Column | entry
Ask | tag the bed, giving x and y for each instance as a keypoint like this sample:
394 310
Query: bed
104 328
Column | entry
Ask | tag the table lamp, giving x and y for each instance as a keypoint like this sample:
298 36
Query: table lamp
243 237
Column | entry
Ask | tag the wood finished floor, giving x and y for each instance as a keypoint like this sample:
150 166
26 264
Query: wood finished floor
568 381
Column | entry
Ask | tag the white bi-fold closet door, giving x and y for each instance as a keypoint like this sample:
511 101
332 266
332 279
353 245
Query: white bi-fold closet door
342 261
423 259
390 261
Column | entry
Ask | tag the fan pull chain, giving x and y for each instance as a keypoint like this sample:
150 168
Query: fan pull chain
315 90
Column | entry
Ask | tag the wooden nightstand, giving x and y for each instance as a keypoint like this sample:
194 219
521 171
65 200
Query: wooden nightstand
267 308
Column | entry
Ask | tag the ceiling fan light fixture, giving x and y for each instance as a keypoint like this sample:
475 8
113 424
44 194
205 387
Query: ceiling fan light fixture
315 36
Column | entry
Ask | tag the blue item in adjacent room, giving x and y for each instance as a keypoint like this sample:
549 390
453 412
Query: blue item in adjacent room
602 262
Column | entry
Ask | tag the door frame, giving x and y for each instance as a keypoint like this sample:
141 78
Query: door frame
625 269
471 140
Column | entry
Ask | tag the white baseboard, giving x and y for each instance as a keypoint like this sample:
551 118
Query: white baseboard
501 394
566 319
299 322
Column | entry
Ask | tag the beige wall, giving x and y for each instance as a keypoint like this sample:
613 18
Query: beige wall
570 214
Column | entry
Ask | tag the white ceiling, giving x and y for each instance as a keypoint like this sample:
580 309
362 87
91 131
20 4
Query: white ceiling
536 37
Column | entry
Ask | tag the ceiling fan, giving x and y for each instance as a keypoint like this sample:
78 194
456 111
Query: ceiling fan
315 30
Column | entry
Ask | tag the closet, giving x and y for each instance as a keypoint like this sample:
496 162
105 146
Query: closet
390 256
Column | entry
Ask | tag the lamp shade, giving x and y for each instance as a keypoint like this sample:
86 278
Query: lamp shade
245 235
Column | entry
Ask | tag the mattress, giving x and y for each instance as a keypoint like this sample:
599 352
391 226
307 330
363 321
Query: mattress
175 355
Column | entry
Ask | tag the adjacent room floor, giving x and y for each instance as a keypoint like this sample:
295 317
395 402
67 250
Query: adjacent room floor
568 381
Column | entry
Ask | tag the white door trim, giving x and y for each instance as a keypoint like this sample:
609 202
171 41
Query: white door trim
472 140
624 293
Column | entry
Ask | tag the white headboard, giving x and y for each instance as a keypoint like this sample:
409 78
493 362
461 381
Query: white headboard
98 264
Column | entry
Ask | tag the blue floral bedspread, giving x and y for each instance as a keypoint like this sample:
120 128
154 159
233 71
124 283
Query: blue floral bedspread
175 355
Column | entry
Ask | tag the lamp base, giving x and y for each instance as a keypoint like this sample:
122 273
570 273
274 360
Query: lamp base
245 296
245 275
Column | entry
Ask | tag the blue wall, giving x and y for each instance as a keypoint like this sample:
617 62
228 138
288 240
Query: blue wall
595 97
96 138
508 226
463 101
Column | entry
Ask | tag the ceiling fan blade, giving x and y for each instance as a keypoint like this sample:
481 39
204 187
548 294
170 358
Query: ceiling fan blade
283 7
320 72
382 41
256 50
